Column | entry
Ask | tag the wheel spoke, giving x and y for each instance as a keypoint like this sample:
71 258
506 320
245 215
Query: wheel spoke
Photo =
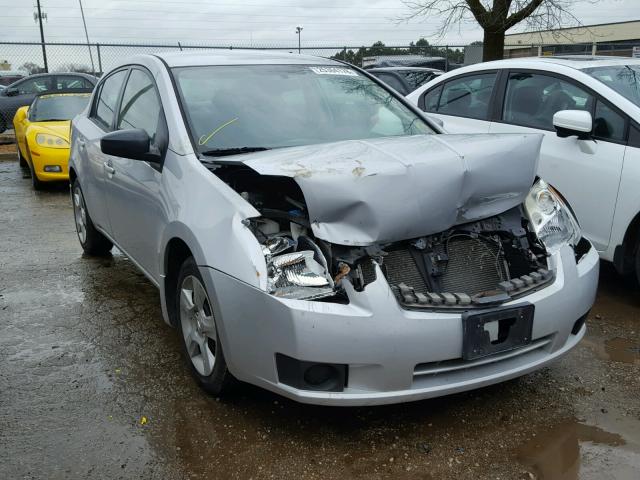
199 295
206 355
209 326
193 344
186 301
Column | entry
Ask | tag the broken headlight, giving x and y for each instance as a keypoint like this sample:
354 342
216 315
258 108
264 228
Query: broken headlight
297 275
551 219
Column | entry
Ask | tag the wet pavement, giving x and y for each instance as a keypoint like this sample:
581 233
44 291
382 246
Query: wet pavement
92 386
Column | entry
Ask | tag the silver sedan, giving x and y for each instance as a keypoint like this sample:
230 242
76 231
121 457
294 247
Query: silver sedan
312 233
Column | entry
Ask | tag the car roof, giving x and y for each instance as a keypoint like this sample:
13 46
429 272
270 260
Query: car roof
578 62
240 57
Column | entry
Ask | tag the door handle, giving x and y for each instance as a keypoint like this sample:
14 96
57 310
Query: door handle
108 168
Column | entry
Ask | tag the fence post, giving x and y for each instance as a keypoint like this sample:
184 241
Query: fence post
99 58
594 49
446 58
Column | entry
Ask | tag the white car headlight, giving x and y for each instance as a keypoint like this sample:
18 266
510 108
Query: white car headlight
550 217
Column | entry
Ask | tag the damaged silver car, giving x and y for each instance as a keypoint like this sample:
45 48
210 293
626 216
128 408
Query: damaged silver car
312 233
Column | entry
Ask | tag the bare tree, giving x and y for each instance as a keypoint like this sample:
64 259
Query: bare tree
496 17
32 68
73 67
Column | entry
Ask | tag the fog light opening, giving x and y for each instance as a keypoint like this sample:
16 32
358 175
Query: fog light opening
320 374
325 377
53 168
577 326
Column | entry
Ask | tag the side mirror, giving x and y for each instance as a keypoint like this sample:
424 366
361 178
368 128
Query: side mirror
573 122
21 114
11 91
131 143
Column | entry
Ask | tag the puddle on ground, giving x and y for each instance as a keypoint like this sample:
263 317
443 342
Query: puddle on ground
617 349
561 452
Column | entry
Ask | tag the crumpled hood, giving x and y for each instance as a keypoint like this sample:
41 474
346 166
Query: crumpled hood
364 192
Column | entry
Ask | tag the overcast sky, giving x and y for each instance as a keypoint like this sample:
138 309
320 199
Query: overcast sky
257 22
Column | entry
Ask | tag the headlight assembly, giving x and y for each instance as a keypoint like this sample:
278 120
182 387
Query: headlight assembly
550 217
51 141
298 274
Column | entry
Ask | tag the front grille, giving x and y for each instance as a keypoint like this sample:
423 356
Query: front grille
474 265
400 267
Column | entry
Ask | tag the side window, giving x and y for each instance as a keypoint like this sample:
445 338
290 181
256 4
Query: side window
393 82
430 99
105 106
64 82
468 96
140 106
34 85
532 99
607 123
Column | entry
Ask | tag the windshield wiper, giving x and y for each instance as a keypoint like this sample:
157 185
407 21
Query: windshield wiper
223 152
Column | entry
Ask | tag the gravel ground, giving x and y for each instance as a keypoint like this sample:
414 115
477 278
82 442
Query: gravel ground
92 386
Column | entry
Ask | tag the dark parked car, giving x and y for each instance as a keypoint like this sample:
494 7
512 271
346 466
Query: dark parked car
22 92
405 79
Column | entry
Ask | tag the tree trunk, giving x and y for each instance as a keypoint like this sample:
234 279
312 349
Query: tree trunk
493 46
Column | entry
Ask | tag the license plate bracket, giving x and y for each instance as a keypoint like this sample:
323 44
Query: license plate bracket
495 331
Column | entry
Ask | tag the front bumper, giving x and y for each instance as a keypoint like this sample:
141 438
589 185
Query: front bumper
50 157
393 355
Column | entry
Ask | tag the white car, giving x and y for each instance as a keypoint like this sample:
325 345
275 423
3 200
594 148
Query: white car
589 110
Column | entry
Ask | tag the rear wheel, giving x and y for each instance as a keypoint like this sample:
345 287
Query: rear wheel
200 342
91 240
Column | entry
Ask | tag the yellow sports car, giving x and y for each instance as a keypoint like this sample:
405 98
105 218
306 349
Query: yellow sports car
42 133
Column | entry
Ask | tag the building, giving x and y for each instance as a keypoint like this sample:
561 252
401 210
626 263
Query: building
602 39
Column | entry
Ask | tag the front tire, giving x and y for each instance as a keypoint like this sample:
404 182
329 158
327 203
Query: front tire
23 163
196 323
35 181
91 240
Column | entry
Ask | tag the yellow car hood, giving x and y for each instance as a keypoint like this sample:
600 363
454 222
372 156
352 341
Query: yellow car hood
61 129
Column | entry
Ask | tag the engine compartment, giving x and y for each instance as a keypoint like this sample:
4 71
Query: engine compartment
476 264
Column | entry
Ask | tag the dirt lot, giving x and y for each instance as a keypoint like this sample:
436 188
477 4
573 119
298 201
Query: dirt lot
92 386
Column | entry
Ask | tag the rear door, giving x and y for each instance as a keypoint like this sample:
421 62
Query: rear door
133 188
462 102
586 172
89 131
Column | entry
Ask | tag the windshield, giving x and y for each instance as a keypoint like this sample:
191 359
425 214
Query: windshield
624 79
270 106
47 108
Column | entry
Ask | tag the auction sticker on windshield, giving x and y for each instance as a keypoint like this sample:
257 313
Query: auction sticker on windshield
333 71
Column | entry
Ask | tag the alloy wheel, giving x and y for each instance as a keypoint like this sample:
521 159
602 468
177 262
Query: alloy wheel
80 214
198 325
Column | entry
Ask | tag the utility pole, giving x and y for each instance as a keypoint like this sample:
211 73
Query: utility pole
86 33
298 31
44 49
